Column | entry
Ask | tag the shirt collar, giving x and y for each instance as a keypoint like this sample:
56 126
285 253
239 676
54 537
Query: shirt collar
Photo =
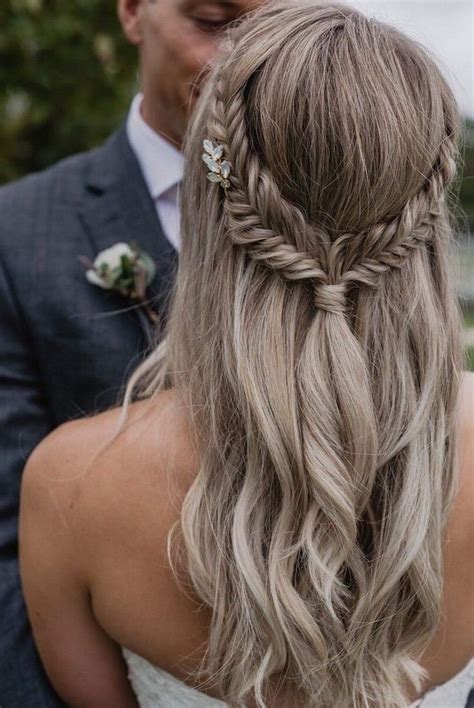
161 163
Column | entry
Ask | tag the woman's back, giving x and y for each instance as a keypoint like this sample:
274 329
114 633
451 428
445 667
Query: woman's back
126 503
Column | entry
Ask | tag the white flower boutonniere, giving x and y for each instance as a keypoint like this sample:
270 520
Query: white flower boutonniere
126 269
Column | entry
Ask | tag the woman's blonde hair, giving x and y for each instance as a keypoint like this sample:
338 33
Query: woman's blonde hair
315 336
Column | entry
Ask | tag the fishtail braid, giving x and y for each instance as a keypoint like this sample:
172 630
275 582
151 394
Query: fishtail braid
261 219
253 211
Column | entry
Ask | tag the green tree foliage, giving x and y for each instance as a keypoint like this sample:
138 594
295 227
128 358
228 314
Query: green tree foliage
66 77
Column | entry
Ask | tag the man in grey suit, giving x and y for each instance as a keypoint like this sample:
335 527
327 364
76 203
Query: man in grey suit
67 346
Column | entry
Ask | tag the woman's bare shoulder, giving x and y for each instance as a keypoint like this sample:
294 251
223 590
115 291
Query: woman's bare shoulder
460 529
453 645
467 390
102 472
466 439
467 394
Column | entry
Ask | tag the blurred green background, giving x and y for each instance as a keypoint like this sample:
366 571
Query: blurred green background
67 76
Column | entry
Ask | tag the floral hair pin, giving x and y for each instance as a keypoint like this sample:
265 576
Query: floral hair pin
219 169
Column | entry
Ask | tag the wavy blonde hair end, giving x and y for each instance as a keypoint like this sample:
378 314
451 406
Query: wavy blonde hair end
315 336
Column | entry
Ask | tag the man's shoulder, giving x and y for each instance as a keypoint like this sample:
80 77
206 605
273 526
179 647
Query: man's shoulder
35 208
65 173
62 182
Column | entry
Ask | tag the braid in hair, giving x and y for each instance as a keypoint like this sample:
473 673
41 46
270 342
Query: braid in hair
341 455
314 337
255 203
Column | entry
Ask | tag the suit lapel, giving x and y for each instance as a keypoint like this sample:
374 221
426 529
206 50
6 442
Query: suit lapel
118 207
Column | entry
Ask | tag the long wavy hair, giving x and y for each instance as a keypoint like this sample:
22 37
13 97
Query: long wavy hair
315 339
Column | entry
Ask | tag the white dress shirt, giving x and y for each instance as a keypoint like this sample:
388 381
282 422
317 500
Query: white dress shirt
162 166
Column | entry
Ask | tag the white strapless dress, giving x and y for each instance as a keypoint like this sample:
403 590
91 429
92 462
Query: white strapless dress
156 688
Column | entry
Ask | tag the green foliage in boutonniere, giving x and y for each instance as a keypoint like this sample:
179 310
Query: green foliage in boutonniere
126 269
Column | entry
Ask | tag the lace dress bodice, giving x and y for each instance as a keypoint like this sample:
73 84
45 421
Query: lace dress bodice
156 688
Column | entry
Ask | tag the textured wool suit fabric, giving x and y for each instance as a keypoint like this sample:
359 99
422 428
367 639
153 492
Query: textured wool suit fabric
66 346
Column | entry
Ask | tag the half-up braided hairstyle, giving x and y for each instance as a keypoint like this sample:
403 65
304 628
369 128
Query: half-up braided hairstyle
315 336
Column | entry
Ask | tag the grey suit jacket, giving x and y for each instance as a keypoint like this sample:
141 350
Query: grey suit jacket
66 346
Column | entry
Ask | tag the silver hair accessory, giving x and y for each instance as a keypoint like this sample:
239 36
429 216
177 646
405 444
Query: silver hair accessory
219 169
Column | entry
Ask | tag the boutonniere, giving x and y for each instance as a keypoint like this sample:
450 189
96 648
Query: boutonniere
126 269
